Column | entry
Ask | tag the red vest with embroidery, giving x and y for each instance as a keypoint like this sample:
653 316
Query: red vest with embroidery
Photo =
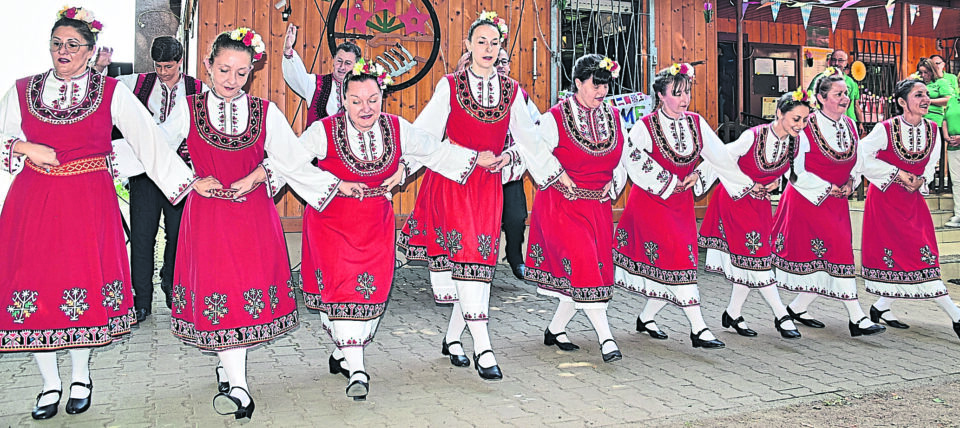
341 161
76 132
898 155
671 161
826 163
588 161
318 106
226 157
754 163
476 127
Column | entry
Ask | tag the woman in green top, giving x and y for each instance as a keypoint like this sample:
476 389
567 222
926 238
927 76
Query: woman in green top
951 140
939 88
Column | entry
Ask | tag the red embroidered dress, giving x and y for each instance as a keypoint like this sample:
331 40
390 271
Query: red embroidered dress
660 261
65 276
232 285
570 240
812 239
899 246
736 228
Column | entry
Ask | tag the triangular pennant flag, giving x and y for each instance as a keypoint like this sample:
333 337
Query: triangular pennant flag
775 9
914 10
936 15
862 16
805 13
834 17
890 7
743 13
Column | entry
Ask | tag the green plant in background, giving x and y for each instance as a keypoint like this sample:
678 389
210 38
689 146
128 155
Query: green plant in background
122 191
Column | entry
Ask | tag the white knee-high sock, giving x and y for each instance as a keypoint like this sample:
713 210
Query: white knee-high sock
856 312
455 329
802 301
948 306
883 304
697 323
738 295
772 297
354 356
598 317
50 372
80 362
234 362
650 310
565 312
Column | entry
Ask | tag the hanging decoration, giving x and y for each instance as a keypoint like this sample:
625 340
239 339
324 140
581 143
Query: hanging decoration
834 17
862 16
805 13
936 15
914 11
890 7
708 12
775 9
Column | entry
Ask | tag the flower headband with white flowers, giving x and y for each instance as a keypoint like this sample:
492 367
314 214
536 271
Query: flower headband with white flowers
496 20
249 38
375 70
802 96
81 14
610 65
684 68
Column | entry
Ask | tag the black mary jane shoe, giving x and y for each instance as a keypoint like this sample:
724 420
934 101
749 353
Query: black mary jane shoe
79 405
855 329
613 355
48 411
336 367
656 334
728 322
226 404
358 389
222 384
705 344
809 322
455 359
786 334
876 316
550 339
956 328
488 373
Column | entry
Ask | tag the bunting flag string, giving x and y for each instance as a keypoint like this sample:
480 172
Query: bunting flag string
862 16
890 7
805 13
936 15
834 17
914 11
775 9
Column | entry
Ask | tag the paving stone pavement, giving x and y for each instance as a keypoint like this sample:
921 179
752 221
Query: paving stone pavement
153 380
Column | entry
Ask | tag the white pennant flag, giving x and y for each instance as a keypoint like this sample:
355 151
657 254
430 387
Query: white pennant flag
834 17
914 10
862 16
936 15
775 9
890 7
805 13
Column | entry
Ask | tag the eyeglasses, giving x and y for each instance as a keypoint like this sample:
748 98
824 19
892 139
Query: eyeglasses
72 46
500 62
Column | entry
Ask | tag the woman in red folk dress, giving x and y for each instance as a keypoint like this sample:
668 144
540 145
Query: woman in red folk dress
736 228
656 248
900 255
455 226
232 287
348 246
65 276
812 242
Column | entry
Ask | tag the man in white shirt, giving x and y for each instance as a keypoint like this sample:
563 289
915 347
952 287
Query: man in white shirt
322 93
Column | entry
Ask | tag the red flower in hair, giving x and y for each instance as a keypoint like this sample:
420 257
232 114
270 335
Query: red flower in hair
70 13
96 25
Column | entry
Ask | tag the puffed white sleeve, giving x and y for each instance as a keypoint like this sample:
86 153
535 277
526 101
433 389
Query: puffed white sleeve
645 172
129 80
150 145
296 76
448 160
808 184
620 172
878 172
10 132
288 160
547 167
314 139
432 119
724 162
538 160
931 167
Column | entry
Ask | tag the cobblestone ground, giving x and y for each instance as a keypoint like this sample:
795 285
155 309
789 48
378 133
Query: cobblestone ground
153 380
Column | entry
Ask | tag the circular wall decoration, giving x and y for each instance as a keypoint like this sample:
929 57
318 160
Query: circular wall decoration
858 70
393 32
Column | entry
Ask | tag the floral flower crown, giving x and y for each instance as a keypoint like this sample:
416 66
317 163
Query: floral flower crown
684 68
375 70
915 76
249 38
610 65
81 14
496 20
802 96
831 71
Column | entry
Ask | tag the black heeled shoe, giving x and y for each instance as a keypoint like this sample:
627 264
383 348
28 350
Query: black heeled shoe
956 328
336 367
488 373
706 344
786 334
809 322
358 389
728 322
613 355
48 411
226 401
550 339
656 334
876 316
222 384
455 359
855 329
79 405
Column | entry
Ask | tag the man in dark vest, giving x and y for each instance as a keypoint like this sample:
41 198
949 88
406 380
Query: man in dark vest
159 91
321 92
